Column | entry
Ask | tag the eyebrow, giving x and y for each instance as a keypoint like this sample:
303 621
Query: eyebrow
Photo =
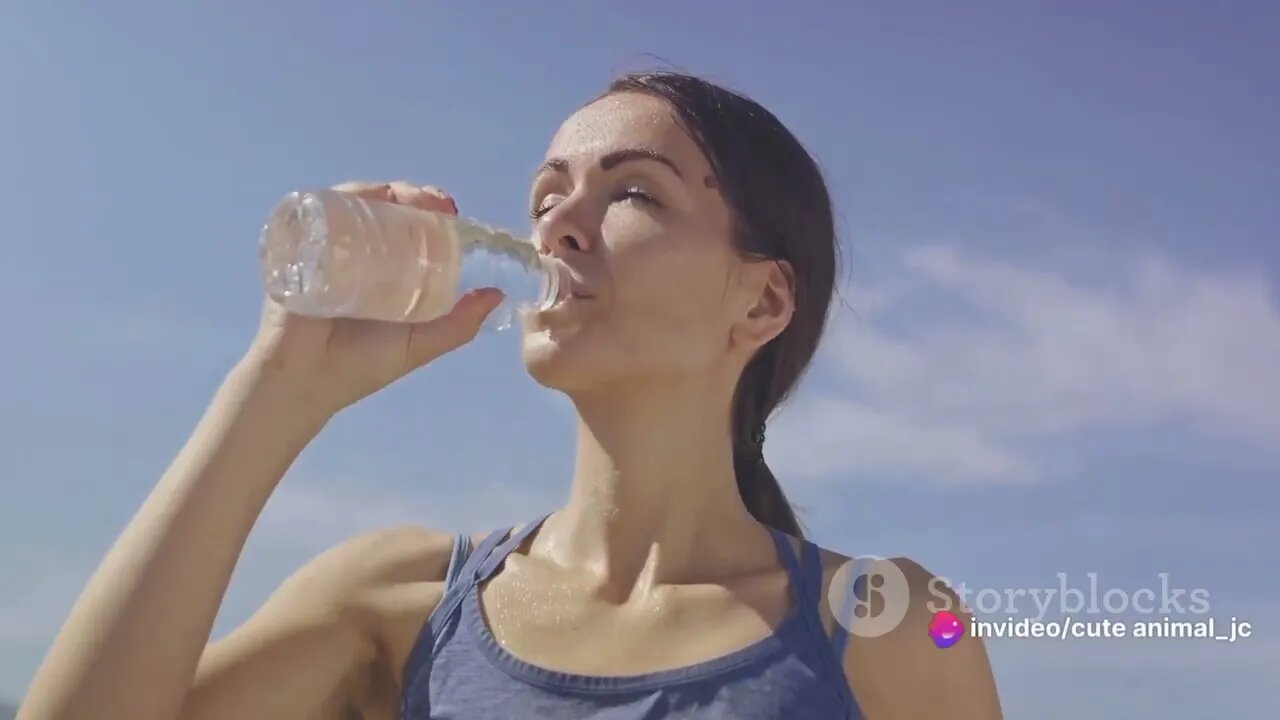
613 160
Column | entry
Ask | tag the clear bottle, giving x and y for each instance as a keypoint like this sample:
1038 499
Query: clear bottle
332 254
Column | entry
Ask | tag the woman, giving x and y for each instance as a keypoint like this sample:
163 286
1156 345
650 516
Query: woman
673 583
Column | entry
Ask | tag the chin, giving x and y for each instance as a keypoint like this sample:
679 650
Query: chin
553 361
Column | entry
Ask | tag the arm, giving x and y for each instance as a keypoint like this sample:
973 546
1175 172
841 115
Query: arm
135 644
902 674
312 650
131 643
131 646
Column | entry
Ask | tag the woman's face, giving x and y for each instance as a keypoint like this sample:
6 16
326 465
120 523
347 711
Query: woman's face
628 202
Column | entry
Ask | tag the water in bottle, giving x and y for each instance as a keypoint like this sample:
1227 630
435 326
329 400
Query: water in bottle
327 253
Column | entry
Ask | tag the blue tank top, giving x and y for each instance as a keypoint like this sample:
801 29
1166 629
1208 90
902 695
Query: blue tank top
457 670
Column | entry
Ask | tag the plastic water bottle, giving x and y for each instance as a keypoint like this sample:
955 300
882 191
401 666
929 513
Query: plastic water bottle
326 253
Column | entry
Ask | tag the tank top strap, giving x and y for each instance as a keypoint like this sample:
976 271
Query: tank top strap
457 559
849 596
497 555
831 647
790 563
483 551
811 572
805 572
463 567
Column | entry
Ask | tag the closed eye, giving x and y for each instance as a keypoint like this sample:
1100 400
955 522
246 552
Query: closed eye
635 193
542 208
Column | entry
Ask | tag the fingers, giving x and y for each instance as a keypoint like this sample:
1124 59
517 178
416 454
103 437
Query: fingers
426 197
430 340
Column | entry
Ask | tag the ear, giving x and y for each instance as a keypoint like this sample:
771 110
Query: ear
771 284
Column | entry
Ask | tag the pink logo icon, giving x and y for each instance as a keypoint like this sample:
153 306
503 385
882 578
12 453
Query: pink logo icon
945 629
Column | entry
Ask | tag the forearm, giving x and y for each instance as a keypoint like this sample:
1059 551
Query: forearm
131 644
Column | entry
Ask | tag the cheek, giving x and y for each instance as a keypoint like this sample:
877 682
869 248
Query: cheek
664 310
672 297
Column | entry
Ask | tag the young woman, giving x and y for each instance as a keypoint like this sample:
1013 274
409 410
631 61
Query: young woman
672 583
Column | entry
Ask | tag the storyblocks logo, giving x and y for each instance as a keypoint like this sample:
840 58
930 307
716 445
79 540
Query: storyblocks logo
870 596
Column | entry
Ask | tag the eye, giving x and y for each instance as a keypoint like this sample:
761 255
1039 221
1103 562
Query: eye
631 193
635 193
542 209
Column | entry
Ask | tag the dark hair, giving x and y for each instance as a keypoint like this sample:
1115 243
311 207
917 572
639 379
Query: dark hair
781 211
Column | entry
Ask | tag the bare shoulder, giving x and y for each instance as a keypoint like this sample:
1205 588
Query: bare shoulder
326 639
385 582
891 662
348 581
390 555
342 574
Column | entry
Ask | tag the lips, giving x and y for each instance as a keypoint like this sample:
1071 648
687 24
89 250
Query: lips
564 282
572 290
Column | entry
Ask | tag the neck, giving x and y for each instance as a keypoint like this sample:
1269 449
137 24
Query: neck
654 498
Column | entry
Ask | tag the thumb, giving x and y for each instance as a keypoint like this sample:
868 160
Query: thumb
431 339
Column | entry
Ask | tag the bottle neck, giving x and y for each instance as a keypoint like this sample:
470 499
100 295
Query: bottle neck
552 274
472 233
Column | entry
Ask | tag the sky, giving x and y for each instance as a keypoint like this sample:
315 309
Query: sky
1056 359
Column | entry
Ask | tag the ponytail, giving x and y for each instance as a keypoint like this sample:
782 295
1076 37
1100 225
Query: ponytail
762 494
760 490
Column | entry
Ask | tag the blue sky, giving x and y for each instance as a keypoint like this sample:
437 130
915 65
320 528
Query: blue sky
1060 352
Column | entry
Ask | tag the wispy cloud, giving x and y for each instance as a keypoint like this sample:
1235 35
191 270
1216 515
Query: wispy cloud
317 511
825 436
996 357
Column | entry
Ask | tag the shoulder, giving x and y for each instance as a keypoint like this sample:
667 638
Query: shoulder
366 578
345 616
387 556
385 584
891 663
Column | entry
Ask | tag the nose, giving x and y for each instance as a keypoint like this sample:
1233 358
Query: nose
559 234
562 245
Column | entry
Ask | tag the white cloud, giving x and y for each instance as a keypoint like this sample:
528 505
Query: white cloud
958 366
828 434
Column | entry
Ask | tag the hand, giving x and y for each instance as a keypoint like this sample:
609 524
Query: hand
335 362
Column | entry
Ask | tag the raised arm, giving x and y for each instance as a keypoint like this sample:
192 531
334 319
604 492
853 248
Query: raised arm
132 644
